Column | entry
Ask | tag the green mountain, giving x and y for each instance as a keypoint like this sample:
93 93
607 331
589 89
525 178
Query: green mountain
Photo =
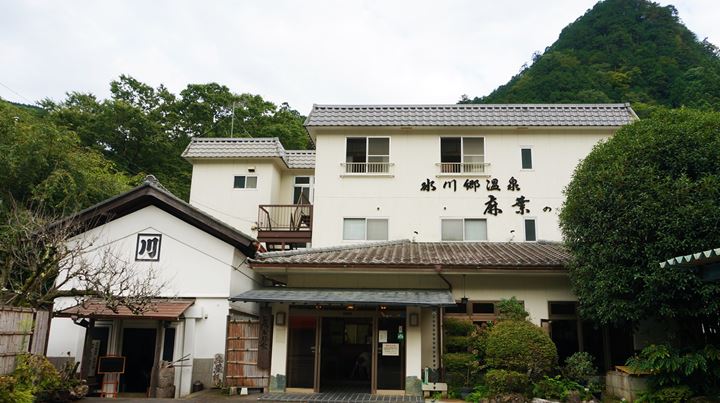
620 51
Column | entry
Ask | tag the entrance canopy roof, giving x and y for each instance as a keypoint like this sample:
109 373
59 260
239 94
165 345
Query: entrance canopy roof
348 296
159 309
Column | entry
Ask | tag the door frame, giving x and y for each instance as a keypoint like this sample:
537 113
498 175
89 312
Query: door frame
373 315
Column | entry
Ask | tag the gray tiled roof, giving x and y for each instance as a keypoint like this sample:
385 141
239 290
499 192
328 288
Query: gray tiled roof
300 158
345 296
260 147
521 255
472 115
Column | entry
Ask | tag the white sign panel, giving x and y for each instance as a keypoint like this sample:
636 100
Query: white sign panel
391 349
382 336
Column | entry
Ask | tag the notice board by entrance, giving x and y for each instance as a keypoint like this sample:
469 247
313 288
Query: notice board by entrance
111 365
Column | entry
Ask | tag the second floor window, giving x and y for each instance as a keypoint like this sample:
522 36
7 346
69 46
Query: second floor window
365 229
367 155
462 154
463 229
245 182
526 158
530 230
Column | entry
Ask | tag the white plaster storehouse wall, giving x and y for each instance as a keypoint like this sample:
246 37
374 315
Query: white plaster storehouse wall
193 263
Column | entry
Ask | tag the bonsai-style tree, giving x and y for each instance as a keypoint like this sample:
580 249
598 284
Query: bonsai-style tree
649 193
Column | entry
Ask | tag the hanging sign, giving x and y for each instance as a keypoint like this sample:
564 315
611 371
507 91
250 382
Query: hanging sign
391 349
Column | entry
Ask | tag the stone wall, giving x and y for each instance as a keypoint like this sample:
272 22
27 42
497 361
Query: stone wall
623 385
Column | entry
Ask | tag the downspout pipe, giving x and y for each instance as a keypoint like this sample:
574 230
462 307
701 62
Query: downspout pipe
441 335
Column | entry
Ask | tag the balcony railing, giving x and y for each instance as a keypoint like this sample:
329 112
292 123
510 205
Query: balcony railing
367 167
463 167
285 217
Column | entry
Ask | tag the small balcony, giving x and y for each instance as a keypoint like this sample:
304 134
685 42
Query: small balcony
285 224
367 168
464 168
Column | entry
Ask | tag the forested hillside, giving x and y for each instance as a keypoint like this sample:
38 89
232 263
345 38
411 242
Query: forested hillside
70 154
620 51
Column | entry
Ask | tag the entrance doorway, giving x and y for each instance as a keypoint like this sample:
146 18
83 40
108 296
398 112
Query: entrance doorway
346 355
139 352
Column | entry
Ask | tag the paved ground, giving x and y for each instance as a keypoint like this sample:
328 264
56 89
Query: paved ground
206 396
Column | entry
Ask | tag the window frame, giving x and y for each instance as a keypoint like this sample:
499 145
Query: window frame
532 158
462 154
365 232
478 317
309 186
525 235
463 228
367 155
245 184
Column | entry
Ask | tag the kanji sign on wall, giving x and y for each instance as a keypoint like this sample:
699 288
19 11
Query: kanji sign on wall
148 247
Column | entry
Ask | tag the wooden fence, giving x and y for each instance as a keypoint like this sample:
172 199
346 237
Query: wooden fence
22 330
241 355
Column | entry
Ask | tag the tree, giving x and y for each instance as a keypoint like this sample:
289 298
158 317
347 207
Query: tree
649 193
144 130
42 259
42 164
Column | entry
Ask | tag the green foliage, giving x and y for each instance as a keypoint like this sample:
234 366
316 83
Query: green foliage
647 194
511 309
36 374
620 51
520 346
457 344
477 341
559 388
461 368
458 327
579 367
670 394
698 369
44 165
479 393
500 382
144 130
10 393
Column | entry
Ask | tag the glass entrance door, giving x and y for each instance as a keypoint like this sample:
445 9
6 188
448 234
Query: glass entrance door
391 352
301 351
345 355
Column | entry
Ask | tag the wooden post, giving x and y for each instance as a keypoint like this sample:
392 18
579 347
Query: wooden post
87 346
155 372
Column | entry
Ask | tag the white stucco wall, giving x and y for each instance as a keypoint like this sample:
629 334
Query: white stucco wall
535 290
415 154
193 264
212 190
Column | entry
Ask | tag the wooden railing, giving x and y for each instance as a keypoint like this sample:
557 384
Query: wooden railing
367 167
463 167
285 217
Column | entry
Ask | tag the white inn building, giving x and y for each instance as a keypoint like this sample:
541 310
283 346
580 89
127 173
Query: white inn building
403 214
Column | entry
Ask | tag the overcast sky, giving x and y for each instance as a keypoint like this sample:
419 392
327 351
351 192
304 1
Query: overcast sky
300 52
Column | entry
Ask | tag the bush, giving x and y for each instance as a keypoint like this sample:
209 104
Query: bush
500 382
457 344
479 393
698 368
461 368
520 346
36 374
579 367
458 327
9 392
511 309
559 388
671 394
477 341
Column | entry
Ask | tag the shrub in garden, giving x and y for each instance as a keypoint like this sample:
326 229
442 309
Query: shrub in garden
36 374
520 346
698 368
671 394
457 344
502 382
511 309
9 392
579 367
477 341
559 388
461 368
458 327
